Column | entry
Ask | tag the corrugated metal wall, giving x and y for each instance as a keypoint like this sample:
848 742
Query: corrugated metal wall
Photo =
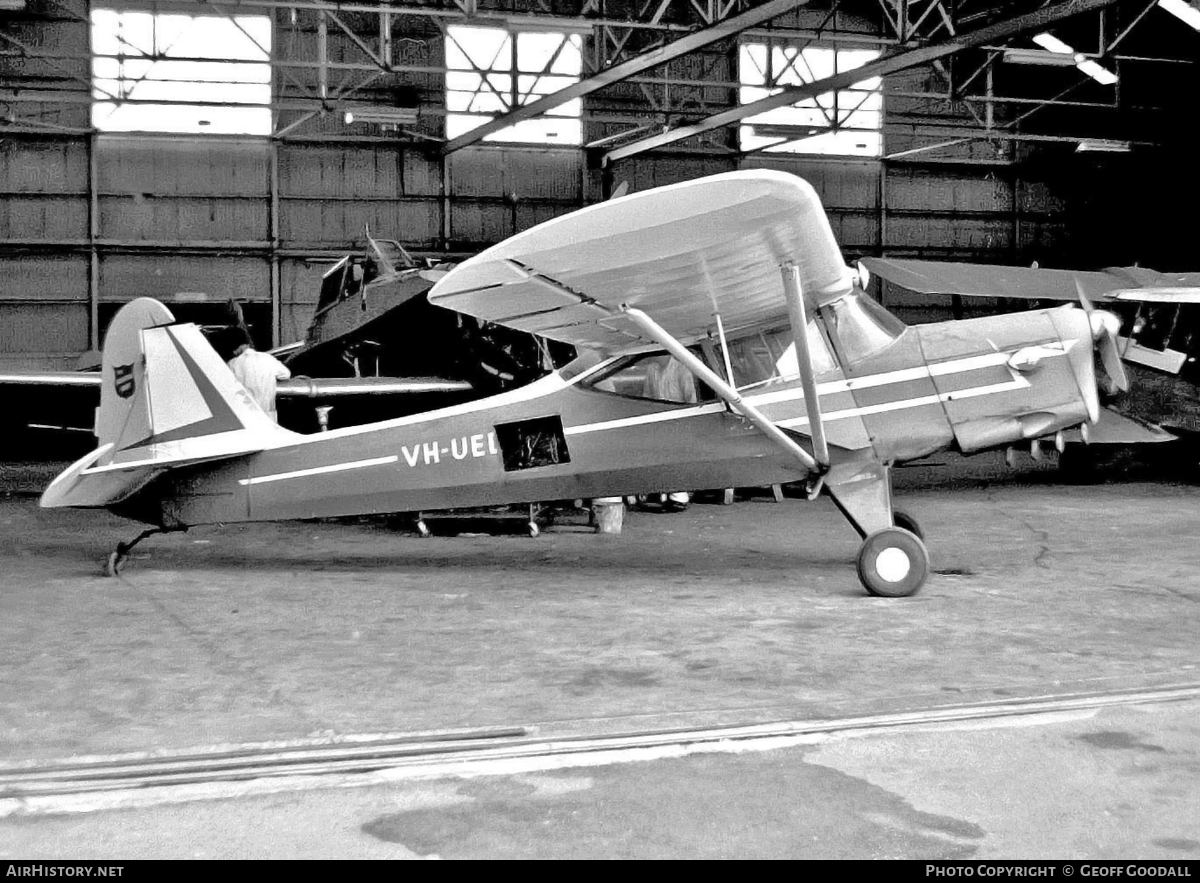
88 223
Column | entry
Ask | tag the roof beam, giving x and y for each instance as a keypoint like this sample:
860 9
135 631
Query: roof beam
881 67
684 45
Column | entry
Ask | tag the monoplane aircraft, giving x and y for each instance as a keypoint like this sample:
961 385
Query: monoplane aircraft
796 373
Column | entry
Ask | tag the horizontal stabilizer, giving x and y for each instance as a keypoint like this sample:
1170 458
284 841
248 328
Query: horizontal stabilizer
85 485
1117 429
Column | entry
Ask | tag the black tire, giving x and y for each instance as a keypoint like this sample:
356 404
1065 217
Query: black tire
893 563
906 521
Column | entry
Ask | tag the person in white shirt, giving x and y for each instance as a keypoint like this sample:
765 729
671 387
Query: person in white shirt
259 372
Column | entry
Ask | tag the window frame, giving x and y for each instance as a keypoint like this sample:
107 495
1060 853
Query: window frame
830 105
504 83
119 65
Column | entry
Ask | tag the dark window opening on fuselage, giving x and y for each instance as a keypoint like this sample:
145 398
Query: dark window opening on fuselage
528 444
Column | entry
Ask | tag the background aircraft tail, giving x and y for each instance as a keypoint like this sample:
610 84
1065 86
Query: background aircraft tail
167 399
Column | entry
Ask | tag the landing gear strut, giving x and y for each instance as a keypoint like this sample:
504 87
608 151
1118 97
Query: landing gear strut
892 561
116 558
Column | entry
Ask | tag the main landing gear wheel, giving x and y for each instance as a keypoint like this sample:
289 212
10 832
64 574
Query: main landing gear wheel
893 563
906 521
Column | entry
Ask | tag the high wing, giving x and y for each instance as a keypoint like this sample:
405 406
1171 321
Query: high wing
680 253
989 280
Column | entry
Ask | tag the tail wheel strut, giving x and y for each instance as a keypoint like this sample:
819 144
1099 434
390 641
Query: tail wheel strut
116 559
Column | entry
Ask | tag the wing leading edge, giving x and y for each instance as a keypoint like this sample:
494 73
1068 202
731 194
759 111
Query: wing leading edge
680 253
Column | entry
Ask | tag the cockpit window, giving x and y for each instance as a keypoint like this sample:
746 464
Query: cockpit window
333 284
860 326
655 376
769 357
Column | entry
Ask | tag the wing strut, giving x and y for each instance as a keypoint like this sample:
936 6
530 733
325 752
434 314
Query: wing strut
702 372
795 299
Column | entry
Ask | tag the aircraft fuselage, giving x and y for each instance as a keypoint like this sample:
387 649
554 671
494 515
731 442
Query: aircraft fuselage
934 387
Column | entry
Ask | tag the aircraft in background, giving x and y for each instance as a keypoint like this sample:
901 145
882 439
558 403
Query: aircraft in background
372 319
796 375
1158 338
374 349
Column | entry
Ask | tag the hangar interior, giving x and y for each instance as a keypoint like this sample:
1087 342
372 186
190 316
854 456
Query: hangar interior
713 683
200 151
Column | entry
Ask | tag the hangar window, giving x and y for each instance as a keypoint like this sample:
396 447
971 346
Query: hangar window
184 74
490 71
843 123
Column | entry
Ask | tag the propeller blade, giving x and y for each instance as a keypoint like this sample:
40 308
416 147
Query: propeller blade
1110 355
1084 300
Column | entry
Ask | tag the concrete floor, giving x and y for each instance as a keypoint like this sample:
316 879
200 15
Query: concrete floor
1118 784
718 615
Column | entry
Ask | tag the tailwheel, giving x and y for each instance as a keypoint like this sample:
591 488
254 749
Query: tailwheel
893 563
116 558
114 562
905 520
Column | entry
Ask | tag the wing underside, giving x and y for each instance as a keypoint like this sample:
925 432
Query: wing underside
680 253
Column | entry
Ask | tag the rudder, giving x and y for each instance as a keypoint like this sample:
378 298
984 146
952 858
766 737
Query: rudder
166 399
165 386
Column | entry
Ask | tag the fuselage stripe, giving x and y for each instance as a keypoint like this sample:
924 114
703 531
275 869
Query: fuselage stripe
902 404
319 470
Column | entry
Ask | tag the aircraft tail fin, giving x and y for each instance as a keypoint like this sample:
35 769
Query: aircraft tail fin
167 399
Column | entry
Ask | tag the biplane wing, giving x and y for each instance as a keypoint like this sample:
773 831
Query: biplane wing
1165 295
296 387
1036 283
989 280
681 253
